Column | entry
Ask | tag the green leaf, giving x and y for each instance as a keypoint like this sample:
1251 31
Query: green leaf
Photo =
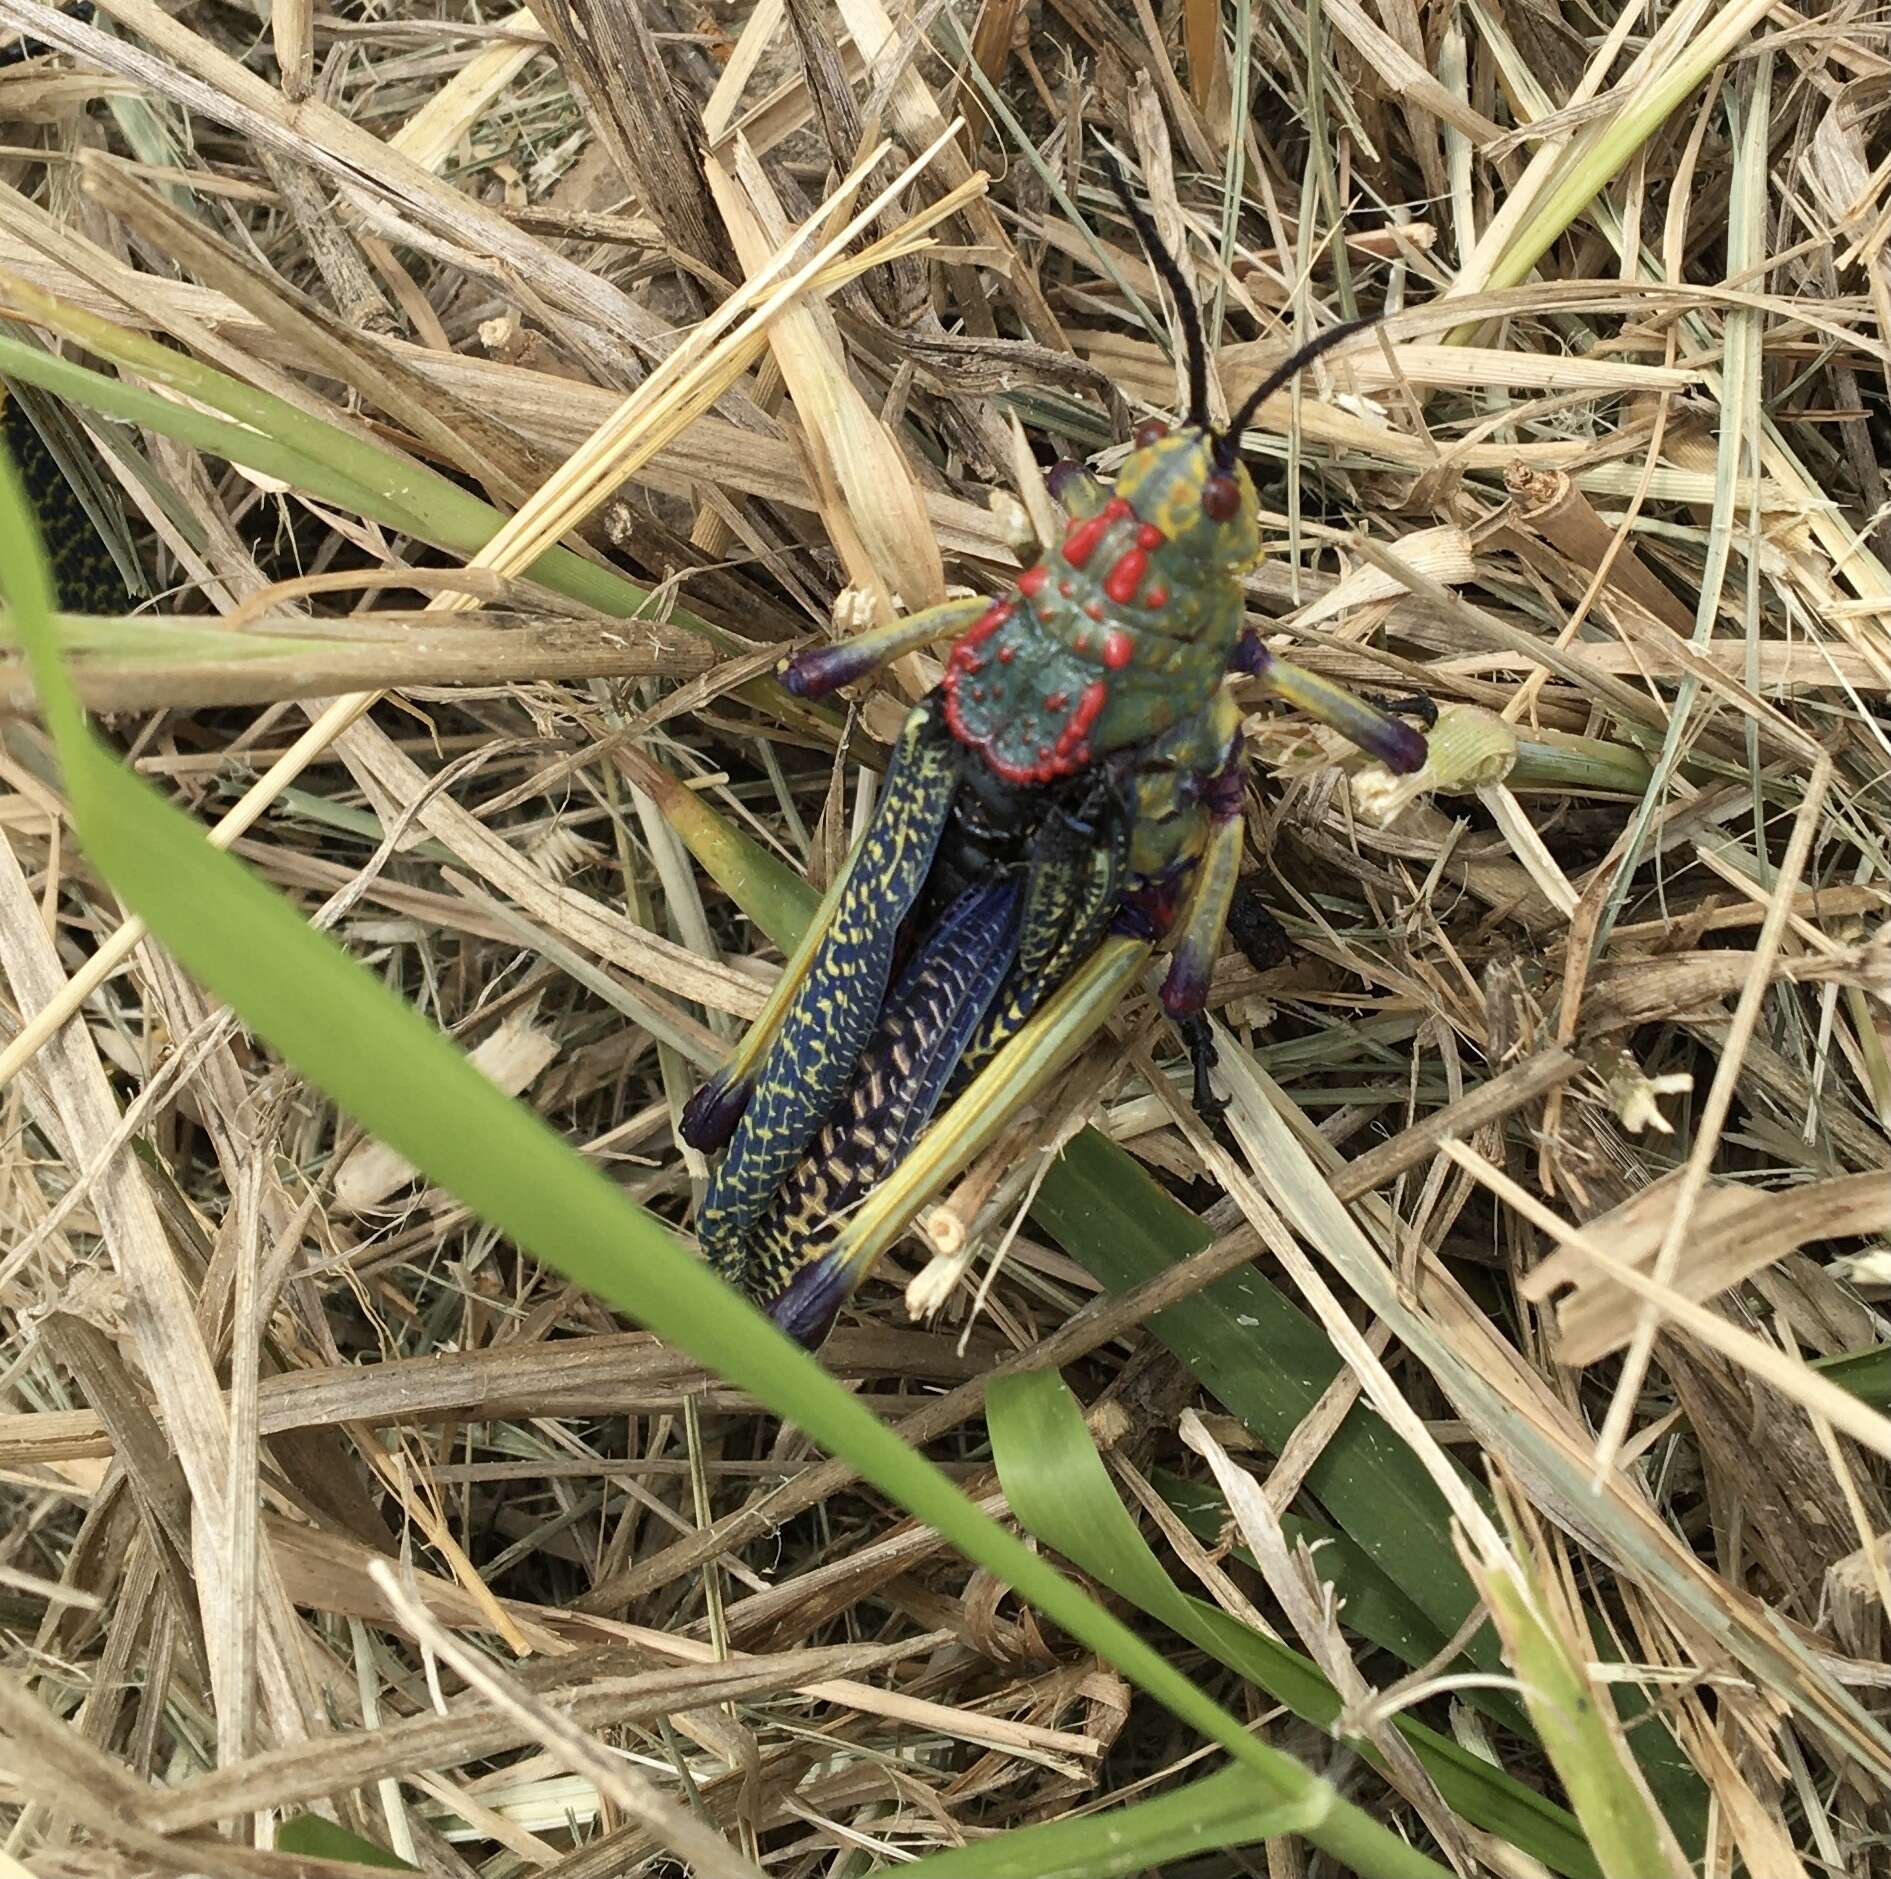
1866 1373
777 899
1373 1602
323 460
316 1838
1574 1718
1061 1492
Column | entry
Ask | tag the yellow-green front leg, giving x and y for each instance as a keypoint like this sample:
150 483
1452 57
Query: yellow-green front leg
1076 489
823 669
1185 990
1049 1041
1378 733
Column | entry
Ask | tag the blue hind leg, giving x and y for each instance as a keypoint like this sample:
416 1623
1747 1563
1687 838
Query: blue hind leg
939 1002
802 1055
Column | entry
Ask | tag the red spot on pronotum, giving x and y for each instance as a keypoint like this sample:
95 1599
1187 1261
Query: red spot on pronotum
1006 654
1065 756
1118 650
965 655
1033 579
1149 538
1081 643
1064 587
1125 577
1056 701
1094 608
1071 740
1157 597
1081 543
966 660
982 629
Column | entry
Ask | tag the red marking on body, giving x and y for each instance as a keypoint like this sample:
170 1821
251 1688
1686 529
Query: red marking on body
1081 543
1157 596
1118 650
1071 741
1094 608
1082 642
1006 654
1065 588
1149 538
1068 754
1033 579
965 653
1125 577
965 658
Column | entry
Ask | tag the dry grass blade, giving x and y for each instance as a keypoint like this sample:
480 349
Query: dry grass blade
1557 1151
672 1823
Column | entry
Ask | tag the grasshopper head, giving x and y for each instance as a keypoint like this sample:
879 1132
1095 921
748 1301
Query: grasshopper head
1189 482
1206 506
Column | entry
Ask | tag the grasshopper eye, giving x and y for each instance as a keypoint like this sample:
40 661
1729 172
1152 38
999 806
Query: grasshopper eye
1149 431
1221 497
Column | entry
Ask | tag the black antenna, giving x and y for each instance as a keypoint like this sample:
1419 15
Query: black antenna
1228 444
1171 271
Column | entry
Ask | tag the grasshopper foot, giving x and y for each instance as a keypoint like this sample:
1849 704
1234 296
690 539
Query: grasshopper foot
1201 1055
1419 705
820 670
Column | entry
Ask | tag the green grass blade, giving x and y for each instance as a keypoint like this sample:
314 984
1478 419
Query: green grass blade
1061 1492
1268 1364
316 1838
322 461
1574 1718
777 899
1221 1811
1866 1373
1374 1602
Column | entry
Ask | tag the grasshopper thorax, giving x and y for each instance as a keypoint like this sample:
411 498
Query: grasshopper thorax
1124 629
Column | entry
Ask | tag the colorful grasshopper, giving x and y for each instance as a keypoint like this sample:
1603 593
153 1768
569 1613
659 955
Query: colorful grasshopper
1065 799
